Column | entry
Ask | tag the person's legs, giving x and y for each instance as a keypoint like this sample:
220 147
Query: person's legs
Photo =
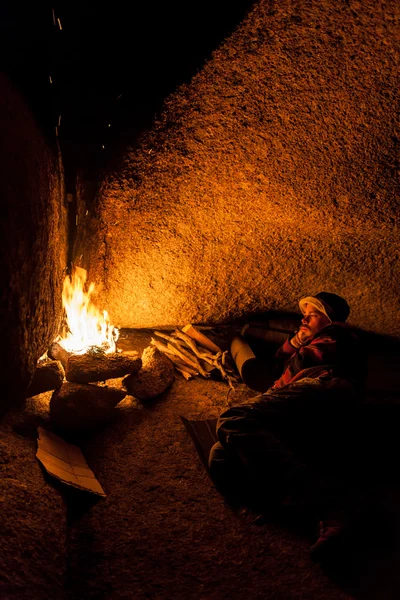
252 436
273 441
299 443
230 477
222 468
253 447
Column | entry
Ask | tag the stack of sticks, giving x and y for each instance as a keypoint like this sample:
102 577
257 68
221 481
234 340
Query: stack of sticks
195 354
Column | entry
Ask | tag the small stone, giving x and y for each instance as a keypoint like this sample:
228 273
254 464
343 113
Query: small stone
155 376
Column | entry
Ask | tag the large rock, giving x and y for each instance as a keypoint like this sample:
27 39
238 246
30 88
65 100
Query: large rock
155 376
273 175
82 407
33 231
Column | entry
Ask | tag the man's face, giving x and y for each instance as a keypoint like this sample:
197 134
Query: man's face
312 322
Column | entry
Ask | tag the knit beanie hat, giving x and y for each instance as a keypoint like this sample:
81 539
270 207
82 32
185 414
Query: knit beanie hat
331 305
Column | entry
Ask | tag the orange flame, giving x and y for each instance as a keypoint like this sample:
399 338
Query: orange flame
87 327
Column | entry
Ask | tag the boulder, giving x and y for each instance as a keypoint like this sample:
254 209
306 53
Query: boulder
272 175
79 407
155 376
33 233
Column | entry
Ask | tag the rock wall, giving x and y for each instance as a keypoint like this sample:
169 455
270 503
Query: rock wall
274 174
33 243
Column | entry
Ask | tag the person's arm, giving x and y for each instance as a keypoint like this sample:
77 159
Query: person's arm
285 358
321 351
289 347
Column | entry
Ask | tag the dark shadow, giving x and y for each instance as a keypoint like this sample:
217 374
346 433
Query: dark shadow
110 66
366 560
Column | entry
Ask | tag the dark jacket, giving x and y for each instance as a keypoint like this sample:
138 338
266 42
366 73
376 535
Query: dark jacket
335 351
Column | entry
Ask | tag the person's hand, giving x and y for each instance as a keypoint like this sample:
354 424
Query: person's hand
303 336
299 339
295 341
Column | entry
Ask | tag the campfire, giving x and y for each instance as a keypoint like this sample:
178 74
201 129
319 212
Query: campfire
84 358
86 327
87 344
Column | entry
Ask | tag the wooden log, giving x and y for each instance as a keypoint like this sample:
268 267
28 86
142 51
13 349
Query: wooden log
205 356
186 370
169 338
49 375
209 367
185 374
178 347
199 337
180 344
87 368
171 352
190 358
181 365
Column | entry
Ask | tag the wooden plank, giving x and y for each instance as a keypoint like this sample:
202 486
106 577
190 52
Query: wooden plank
199 337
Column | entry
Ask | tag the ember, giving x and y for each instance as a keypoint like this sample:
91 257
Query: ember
87 328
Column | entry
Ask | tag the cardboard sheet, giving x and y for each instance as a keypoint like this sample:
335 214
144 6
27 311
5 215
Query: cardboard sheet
66 462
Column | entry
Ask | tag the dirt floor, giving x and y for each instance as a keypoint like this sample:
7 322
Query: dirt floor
163 531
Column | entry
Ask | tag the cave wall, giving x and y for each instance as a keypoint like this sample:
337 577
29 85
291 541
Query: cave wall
274 174
33 242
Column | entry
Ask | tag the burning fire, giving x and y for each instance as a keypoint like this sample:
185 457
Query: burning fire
86 326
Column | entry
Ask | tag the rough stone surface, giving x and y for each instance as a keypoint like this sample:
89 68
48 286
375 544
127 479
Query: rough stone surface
33 524
49 375
33 234
80 407
272 175
155 376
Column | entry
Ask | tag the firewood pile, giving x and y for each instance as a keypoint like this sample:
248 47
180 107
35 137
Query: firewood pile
194 354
